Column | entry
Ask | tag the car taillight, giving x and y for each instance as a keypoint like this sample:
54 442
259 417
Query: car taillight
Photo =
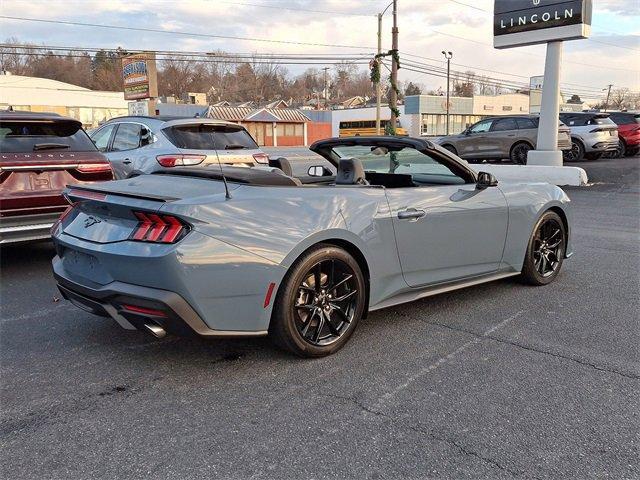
180 160
158 228
58 222
261 157
94 167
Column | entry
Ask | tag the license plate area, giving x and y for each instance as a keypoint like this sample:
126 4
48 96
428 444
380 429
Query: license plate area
80 264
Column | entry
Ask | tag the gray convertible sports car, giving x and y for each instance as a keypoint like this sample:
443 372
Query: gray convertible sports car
231 251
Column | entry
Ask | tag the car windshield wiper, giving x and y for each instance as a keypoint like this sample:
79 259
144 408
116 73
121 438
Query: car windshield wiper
49 146
234 146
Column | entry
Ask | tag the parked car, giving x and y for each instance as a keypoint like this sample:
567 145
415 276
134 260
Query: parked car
592 135
501 137
139 145
628 133
40 154
250 252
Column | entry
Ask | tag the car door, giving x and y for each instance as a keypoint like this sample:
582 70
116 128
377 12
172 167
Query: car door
501 137
123 148
446 228
472 143
527 130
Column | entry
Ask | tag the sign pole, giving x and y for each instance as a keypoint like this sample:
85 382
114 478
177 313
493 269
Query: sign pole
547 152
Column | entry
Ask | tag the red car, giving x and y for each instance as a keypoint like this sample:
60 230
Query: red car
40 153
628 133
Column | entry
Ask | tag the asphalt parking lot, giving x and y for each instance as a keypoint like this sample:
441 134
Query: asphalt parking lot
496 381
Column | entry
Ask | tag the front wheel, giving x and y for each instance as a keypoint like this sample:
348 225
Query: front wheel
450 148
545 251
319 303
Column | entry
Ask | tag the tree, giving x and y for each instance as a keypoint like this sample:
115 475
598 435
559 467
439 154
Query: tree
575 99
412 89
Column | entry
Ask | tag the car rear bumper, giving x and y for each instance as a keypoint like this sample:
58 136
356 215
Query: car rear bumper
137 307
26 228
600 144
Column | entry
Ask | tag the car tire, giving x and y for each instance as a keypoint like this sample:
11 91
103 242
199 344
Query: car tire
621 151
518 153
545 250
308 319
630 152
450 148
575 153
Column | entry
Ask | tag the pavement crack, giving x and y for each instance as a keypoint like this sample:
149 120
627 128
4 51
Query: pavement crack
537 350
453 443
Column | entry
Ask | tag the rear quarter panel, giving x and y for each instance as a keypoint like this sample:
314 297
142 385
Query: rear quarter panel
527 202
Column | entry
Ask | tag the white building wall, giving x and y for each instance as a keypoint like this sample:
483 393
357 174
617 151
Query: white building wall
366 113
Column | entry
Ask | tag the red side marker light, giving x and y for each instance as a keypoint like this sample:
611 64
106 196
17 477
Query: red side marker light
267 297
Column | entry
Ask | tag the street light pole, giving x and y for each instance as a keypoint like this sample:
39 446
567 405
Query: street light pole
378 86
606 103
448 56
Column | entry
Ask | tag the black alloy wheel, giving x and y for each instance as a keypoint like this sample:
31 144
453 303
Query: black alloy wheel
450 148
519 153
326 300
319 302
546 250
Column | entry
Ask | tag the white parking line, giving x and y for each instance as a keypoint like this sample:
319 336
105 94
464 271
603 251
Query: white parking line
384 399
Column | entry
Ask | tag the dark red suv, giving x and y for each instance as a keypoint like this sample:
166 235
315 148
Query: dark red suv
40 153
628 132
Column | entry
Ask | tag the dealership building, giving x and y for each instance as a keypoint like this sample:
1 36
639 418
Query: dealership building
35 94
426 115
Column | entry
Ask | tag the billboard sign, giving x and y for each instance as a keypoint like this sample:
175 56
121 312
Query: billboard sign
536 83
140 76
528 22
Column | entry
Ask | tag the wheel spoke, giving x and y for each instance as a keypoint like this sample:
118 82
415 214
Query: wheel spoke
317 277
345 279
340 313
332 328
306 327
345 296
306 306
332 275
316 337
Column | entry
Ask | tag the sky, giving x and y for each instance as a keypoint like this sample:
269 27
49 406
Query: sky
610 56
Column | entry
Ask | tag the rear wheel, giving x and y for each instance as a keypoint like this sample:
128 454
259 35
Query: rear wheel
319 303
519 152
545 251
632 151
575 153
450 148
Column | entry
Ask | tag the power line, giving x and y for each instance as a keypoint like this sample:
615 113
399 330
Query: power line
293 9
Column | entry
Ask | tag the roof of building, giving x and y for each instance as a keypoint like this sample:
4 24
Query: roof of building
22 91
237 114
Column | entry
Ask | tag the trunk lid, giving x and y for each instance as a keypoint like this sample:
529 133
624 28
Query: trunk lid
105 212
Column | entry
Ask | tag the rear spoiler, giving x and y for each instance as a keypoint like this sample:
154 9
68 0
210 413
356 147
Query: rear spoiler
88 193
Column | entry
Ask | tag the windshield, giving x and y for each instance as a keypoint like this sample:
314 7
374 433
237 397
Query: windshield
405 160
33 135
210 137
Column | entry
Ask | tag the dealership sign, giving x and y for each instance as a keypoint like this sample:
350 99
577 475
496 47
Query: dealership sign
528 22
139 76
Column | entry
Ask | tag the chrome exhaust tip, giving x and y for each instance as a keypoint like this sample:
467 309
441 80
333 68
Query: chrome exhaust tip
155 330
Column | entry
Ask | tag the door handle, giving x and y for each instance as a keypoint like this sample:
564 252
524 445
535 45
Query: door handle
411 214
126 161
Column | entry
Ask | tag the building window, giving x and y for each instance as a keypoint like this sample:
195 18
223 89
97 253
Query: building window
299 129
289 130
488 107
507 108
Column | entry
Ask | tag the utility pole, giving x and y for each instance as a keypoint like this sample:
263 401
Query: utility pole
378 85
326 93
448 56
393 100
606 103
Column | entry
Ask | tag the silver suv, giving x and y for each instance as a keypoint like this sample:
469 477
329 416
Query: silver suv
501 137
139 145
592 135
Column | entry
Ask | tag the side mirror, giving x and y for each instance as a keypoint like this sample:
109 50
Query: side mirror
486 180
319 171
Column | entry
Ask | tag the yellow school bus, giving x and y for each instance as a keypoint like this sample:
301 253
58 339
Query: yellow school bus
365 128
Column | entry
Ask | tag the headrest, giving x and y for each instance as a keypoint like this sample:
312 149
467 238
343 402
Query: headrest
350 172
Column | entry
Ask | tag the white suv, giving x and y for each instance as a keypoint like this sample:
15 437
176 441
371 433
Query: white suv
592 134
